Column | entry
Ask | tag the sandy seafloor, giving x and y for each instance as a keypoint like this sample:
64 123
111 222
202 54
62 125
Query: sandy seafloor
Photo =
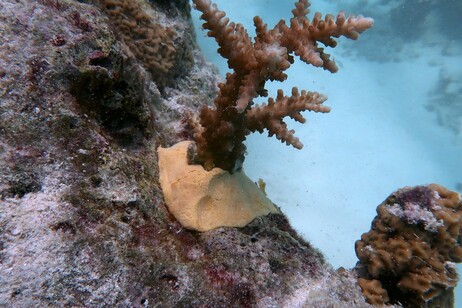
378 137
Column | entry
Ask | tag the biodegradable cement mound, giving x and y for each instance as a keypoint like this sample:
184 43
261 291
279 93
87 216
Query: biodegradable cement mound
203 200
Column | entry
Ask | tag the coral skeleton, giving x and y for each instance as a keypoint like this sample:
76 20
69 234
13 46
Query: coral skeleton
221 131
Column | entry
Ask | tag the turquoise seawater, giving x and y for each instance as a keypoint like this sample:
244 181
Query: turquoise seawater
396 117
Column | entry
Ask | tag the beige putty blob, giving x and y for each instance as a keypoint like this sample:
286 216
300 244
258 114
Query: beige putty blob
203 200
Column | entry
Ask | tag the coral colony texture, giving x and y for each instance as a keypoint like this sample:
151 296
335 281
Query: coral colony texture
150 42
409 254
220 131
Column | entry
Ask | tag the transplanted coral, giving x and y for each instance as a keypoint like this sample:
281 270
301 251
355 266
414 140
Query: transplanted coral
409 254
206 199
221 131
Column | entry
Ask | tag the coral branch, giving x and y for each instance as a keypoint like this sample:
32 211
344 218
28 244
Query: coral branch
220 132
271 116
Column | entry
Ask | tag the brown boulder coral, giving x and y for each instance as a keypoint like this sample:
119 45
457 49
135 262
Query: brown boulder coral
409 254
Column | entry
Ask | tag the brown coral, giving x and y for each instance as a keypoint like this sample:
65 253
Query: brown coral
410 252
220 132
150 42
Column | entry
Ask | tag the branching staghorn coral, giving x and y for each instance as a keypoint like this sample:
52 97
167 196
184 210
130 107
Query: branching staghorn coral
221 131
